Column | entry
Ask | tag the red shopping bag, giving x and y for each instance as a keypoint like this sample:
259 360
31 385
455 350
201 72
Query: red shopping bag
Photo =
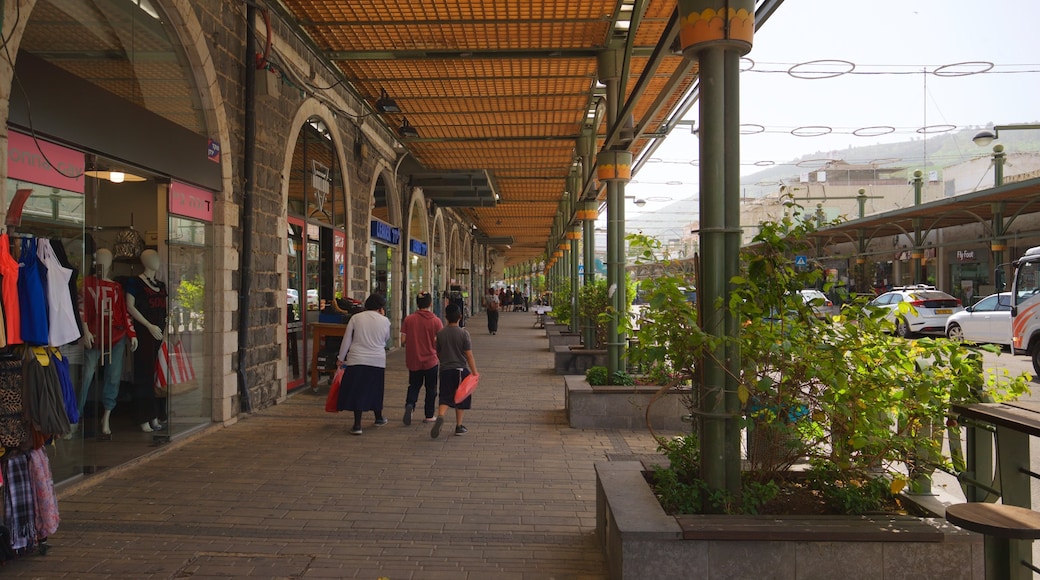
466 388
172 368
333 398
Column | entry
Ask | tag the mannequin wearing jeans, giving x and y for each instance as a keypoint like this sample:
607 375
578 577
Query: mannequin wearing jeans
106 331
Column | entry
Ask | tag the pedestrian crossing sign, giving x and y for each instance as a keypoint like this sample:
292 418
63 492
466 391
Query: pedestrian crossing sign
801 261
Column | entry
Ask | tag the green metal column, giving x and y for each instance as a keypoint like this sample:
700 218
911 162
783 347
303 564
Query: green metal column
573 239
998 245
717 48
610 64
589 215
917 255
731 157
711 289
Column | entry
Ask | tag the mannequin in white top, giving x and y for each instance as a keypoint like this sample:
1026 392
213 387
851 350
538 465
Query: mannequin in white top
106 330
146 302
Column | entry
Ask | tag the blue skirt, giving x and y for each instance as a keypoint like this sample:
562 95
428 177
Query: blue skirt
361 388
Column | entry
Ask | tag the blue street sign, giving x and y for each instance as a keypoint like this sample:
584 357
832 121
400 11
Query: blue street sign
801 261
581 268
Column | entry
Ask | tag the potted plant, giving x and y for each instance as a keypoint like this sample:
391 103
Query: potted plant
858 409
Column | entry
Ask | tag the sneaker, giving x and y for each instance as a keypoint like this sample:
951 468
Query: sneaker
408 413
429 420
461 430
355 430
382 421
436 431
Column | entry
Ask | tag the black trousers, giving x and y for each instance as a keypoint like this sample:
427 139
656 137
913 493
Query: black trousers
146 405
416 379
492 320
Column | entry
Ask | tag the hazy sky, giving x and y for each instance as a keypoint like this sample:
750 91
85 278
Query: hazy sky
893 40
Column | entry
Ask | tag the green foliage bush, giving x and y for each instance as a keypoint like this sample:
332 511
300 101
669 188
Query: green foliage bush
865 407
597 376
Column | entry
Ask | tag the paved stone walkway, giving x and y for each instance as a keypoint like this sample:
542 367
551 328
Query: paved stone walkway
288 493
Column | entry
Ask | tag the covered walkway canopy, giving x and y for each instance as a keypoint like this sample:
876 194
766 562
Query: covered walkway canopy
1013 199
507 87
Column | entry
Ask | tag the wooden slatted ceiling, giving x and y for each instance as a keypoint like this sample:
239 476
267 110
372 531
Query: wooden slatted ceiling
497 85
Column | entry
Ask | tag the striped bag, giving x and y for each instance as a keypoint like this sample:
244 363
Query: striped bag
172 368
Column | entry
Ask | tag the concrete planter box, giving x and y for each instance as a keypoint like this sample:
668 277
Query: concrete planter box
639 540
563 339
552 328
574 360
621 407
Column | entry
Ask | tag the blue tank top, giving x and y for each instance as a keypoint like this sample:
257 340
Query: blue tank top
32 296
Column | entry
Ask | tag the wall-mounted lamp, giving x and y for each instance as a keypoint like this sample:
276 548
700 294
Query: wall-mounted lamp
385 104
407 130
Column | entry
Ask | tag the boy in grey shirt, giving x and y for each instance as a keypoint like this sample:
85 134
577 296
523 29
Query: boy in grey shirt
455 351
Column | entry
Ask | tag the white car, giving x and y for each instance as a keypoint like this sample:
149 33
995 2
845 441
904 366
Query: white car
292 296
931 309
987 321
821 305
312 299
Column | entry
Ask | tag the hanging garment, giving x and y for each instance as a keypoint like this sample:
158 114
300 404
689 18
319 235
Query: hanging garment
9 292
45 505
19 515
32 296
68 392
14 433
63 259
41 394
61 315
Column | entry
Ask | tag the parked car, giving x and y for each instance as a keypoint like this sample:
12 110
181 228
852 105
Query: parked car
931 309
822 306
312 299
987 321
292 296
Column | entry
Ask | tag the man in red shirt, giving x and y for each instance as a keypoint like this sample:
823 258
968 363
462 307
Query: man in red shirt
419 336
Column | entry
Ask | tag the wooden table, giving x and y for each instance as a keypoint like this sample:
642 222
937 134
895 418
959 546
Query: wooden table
319 331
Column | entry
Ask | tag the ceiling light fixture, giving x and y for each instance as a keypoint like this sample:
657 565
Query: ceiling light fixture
385 104
114 176
407 130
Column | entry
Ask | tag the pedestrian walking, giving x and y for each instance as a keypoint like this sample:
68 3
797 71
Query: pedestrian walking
363 358
491 304
419 337
455 350
507 299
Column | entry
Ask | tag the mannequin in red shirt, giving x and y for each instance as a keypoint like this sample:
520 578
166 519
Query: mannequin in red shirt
107 329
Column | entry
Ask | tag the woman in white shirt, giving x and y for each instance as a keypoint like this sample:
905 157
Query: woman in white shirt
363 358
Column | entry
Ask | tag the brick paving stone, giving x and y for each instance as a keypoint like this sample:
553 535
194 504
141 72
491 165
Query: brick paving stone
287 492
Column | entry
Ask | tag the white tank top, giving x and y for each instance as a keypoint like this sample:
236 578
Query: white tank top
61 318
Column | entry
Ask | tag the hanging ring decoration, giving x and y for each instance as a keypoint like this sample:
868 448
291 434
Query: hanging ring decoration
964 69
751 129
831 68
933 129
764 163
746 64
874 131
811 131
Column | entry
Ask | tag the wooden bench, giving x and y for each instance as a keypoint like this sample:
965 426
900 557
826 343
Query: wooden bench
1000 524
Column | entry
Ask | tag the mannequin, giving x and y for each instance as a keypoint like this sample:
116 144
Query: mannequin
146 303
106 330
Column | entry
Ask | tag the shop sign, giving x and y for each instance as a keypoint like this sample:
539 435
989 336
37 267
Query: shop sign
191 202
965 255
213 151
58 166
417 247
462 271
385 232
